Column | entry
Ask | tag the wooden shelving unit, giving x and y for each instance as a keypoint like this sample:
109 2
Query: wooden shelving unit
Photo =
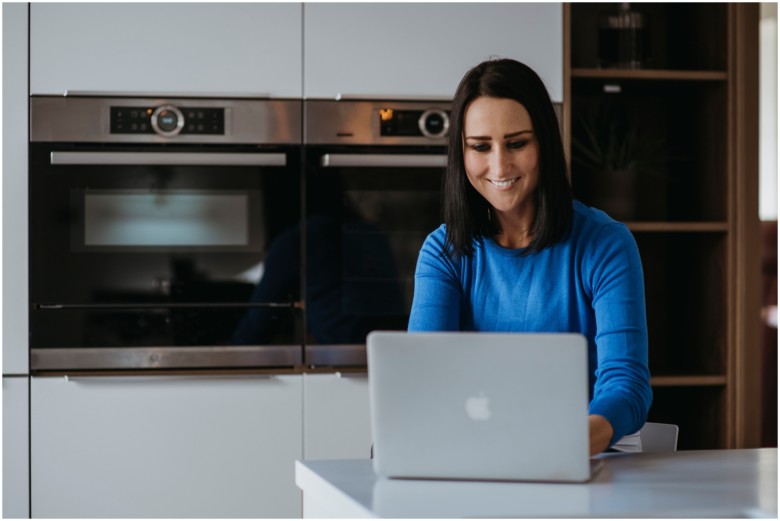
688 381
685 120
656 75
660 226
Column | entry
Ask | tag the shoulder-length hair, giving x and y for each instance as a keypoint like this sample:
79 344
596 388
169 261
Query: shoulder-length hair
466 212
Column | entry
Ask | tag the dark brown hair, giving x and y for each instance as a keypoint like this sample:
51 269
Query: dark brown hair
465 210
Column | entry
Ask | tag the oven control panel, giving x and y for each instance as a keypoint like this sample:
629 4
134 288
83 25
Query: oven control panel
168 120
432 123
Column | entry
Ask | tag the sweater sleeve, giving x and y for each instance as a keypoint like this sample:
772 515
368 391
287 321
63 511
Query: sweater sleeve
622 392
437 289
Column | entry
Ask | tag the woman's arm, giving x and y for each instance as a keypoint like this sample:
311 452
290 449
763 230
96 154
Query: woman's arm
622 393
437 289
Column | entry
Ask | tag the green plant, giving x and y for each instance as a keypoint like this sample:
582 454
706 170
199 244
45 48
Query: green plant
606 139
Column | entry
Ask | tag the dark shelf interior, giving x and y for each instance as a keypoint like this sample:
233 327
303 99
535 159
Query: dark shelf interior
685 288
662 140
697 411
678 36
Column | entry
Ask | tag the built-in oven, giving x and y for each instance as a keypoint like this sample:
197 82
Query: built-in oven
165 233
373 193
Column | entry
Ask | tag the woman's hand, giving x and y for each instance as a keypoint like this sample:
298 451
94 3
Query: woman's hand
601 432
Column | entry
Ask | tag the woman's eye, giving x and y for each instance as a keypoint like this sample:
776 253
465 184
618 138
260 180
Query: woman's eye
480 147
516 145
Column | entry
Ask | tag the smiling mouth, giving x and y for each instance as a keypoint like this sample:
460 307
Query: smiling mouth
504 183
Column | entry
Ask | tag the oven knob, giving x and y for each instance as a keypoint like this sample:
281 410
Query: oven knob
434 123
167 120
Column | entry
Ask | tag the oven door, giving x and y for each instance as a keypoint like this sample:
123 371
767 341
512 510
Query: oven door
368 212
144 246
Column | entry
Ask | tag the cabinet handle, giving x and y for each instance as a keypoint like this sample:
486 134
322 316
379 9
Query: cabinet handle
172 378
164 94
167 158
384 160
356 374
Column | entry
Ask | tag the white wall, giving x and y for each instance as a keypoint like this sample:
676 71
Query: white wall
767 114
16 436
14 196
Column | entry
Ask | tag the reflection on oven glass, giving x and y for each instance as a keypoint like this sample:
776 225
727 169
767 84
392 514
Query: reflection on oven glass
409 210
352 283
279 281
166 218
401 220
155 327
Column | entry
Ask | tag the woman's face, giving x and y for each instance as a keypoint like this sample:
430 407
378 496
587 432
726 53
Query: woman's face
501 153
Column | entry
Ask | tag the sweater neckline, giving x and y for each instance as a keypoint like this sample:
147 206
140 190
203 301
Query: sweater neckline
506 252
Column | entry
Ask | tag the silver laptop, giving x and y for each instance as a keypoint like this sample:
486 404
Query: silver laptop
485 406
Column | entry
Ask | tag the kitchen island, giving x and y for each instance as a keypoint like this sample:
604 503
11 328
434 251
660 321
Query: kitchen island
704 484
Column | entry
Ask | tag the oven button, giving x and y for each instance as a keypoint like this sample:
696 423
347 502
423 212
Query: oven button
434 123
167 120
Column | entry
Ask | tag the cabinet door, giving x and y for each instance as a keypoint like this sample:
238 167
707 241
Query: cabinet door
219 447
15 139
16 448
205 48
336 416
391 50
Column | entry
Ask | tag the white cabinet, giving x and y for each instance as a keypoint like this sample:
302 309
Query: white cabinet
369 49
16 448
224 48
419 49
14 203
177 446
336 416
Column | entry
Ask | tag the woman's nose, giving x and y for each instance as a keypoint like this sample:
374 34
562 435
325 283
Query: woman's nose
499 163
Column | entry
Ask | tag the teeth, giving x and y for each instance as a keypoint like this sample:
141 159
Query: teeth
503 184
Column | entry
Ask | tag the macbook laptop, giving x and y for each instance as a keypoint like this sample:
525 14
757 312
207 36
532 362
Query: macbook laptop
479 406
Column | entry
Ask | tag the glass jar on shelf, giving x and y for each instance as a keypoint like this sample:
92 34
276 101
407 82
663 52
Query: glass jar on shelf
623 39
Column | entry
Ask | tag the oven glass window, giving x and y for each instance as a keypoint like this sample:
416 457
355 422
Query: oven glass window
380 248
364 229
127 218
164 255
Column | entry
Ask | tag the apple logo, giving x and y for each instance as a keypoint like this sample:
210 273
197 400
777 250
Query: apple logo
478 407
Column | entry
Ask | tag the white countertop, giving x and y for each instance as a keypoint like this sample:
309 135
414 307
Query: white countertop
715 483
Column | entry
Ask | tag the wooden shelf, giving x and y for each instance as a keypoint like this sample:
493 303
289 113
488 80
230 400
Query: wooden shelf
679 227
649 74
693 228
688 381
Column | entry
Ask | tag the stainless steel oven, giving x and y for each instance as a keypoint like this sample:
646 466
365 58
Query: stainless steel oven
373 184
165 233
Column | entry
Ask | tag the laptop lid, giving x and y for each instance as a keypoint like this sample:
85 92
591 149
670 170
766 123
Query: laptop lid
495 406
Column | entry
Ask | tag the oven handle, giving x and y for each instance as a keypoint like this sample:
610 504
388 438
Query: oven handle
168 158
384 160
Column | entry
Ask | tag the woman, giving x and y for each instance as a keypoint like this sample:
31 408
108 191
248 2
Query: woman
516 253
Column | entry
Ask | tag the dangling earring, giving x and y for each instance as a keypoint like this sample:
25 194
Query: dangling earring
490 217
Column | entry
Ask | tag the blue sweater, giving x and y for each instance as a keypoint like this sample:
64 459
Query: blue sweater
590 283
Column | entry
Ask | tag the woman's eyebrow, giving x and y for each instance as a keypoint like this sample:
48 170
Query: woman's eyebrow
515 134
506 136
